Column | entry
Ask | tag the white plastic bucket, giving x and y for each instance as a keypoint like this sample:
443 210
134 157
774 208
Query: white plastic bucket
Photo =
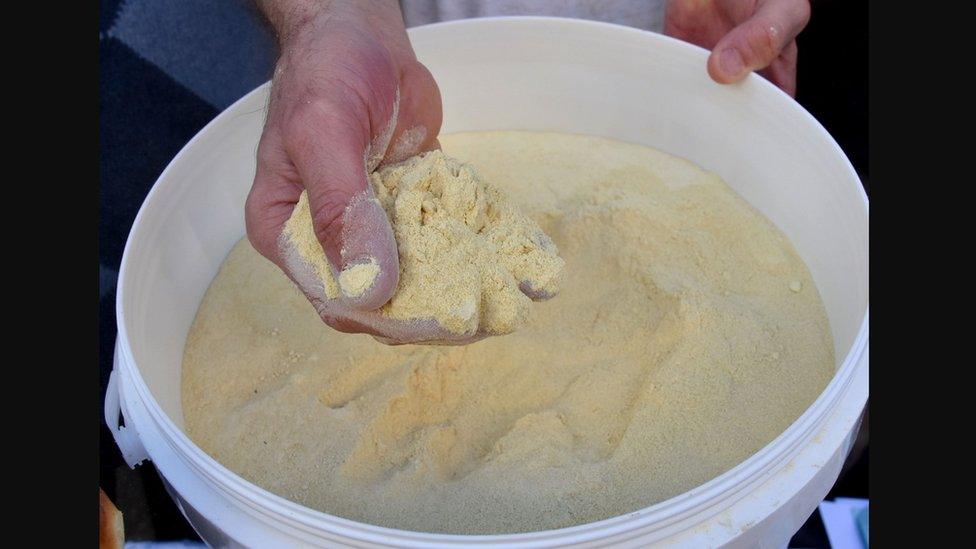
529 74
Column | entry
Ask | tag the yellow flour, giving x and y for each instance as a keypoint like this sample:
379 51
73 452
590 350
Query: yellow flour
356 279
465 249
687 335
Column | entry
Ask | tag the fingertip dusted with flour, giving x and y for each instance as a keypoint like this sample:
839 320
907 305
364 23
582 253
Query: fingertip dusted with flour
370 267
363 283
356 278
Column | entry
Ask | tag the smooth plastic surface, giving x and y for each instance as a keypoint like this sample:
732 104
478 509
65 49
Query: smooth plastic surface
531 74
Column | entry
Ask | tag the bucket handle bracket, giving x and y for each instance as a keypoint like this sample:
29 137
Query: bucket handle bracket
125 438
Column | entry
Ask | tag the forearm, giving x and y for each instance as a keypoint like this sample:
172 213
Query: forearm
288 16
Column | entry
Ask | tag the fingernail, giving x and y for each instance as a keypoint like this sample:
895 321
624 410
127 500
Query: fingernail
731 62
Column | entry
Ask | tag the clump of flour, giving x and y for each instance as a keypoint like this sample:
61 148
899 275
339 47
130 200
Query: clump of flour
356 279
469 258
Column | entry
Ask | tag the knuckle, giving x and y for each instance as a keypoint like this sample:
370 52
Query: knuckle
309 112
771 41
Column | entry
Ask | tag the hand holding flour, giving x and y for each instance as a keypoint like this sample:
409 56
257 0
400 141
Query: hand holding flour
348 94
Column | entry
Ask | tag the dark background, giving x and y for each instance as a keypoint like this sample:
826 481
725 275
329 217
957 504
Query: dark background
145 118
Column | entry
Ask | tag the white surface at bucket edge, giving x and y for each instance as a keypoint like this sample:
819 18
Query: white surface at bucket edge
699 510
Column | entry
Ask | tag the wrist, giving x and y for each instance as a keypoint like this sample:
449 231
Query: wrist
288 16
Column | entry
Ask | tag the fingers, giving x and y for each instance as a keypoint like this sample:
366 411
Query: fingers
701 23
273 195
329 147
369 248
397 332
466 340
782 71
340 317
759 41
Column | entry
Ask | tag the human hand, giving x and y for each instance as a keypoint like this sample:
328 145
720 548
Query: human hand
347 95
744 36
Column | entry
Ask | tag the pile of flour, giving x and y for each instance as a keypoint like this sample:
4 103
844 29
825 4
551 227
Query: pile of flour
687 335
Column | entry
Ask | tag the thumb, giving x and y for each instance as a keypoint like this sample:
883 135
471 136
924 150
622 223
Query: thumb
758 41
348 220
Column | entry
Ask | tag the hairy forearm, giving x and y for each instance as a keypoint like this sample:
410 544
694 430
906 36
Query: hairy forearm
288 16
